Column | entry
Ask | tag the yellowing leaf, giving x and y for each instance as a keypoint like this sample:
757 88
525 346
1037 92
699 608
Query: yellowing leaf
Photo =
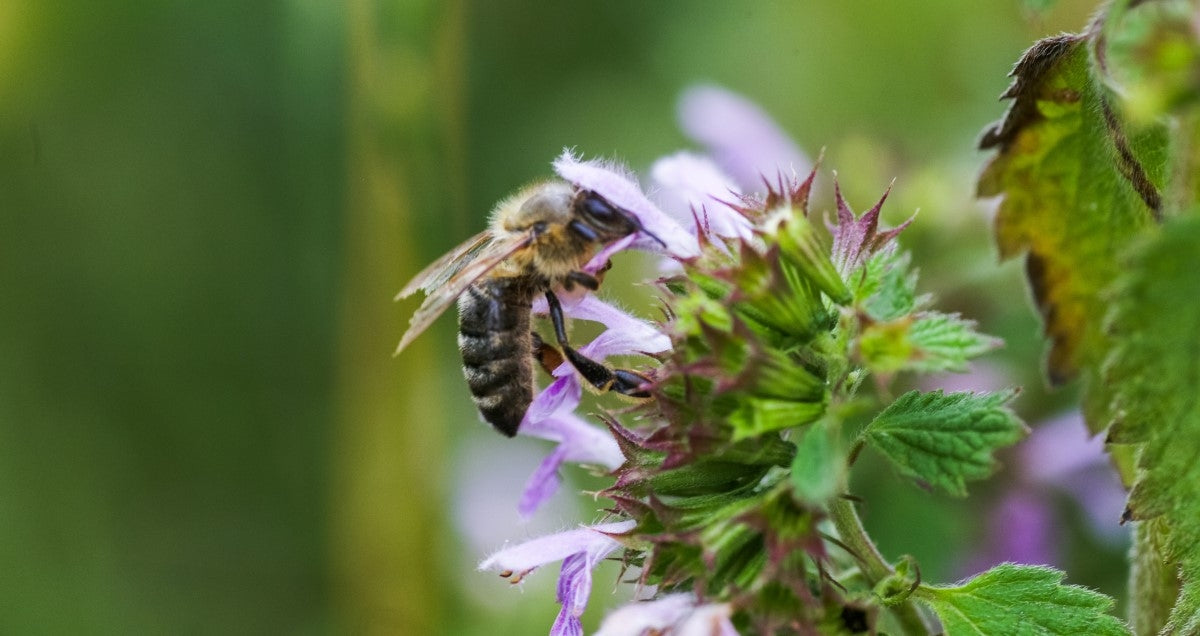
1076 190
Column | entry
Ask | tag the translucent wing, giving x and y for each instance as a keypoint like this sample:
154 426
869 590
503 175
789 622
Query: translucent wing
447 266
467 263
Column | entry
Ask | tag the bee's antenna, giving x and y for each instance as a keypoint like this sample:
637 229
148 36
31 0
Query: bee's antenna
637 223
653 236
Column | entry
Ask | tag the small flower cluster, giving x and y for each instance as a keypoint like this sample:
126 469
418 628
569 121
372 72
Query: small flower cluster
768 336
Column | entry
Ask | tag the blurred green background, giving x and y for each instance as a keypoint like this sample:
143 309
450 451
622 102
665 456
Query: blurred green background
206 208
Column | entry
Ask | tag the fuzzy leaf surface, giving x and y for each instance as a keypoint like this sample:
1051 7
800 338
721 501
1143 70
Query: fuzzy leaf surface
1021 599
1077 189
927 342
945 440
1155 370
946 342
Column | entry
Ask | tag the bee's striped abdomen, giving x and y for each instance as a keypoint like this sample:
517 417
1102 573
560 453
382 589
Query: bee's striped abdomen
493 337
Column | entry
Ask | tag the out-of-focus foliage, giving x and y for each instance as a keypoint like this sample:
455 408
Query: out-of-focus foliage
197 199
171 176
1088 173
1155 372
1064 206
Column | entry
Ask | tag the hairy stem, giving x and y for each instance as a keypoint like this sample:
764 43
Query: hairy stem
874 566
1153 584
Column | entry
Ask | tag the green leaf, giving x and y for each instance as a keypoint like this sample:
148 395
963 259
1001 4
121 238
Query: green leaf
1021 599
945 440
1155 369
1077 189
1153 582
945 342
928 342
888 289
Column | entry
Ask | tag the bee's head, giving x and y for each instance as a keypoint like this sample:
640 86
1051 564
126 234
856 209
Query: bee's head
544 206
596 219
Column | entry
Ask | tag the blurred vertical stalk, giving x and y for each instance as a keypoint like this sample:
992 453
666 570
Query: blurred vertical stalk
404 157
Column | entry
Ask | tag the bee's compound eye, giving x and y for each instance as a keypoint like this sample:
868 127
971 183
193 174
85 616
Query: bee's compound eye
598 209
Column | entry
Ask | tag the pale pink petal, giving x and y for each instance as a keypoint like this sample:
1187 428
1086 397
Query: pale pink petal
543 483
644 616
742 138
532 554
574 588
603 256
625 335
585 443
562 395
708 620
690 184
551 417
566 624
620 188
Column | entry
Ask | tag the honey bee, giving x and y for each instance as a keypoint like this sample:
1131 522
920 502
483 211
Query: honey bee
538 241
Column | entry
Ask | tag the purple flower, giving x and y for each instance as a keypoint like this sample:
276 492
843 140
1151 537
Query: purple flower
551 417
551 414
1062 454
741 138
1059 455
676 614
579 550
1022 528
616 184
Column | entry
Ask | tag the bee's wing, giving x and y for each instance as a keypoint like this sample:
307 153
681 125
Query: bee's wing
447 266
467 263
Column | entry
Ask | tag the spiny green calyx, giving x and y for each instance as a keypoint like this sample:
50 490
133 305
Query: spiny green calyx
736 488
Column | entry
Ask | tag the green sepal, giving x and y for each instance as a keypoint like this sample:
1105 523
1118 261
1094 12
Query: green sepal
885 347
703 477
800 246
756 416
898 586
695 311
819 469
772 292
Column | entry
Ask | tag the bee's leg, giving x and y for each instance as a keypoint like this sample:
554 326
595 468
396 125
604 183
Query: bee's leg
589 281
545 354
622 381
583 279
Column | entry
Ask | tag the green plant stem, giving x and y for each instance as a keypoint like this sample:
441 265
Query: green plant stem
874 567
1153 584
